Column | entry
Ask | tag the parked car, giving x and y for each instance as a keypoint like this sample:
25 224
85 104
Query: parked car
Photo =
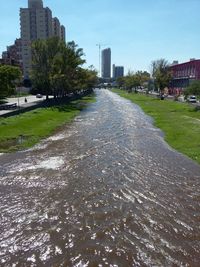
39 96
192 99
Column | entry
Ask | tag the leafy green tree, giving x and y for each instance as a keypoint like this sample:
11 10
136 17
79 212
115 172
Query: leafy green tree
193 89
40 68
87 78
131 81
142 77
121 81
161 73
71 62
56 66
9 77
44 56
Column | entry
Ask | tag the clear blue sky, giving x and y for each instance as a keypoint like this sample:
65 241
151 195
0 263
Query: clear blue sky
137 31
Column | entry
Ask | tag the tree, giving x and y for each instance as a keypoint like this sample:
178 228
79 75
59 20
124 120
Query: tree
121 81
9 76
142 77
87 78
161 73
44 56
56 66
71 62
131 81
40 68
193 89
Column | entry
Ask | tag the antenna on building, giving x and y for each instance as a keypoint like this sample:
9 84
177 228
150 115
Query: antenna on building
100 45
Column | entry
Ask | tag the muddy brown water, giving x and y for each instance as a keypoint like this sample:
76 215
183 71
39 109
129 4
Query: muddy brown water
106 191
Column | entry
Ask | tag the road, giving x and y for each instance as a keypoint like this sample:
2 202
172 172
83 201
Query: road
104 191
20 101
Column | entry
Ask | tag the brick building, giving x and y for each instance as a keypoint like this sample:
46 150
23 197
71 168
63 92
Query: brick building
183 74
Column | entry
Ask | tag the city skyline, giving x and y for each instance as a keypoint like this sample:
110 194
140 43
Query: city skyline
136 32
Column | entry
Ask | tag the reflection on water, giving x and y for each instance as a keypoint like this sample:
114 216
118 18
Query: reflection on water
106 191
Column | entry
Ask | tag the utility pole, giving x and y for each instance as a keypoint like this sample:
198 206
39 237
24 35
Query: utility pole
99 46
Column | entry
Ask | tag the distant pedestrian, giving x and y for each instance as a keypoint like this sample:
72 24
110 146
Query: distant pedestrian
25 100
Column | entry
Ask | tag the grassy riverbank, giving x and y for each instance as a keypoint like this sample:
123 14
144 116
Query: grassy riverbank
25 130
179 121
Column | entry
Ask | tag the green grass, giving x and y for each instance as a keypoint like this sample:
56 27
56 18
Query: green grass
25 130
179 122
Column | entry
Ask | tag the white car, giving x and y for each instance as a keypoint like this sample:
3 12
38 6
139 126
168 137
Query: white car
192 99
39 96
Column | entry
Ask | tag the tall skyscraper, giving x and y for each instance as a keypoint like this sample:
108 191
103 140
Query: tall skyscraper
36 23
106 63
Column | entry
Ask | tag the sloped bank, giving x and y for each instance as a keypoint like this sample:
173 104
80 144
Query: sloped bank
47 103
24 130
180 122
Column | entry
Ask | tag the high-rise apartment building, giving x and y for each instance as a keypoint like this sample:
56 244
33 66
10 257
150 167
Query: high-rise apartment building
106 63
36 23
13 54
118 71
62 33
56 27
35 4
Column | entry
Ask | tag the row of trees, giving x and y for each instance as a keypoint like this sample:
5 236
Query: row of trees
57 68
193 89
160 77
133 80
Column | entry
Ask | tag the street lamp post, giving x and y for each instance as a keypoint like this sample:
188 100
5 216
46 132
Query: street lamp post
18 95
99 46
16 89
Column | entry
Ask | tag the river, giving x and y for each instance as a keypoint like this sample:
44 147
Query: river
104 191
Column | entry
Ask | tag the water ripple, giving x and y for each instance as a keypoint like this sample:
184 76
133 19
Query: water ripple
105 191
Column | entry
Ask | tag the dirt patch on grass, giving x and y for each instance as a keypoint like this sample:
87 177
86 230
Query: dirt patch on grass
14 143
194 120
